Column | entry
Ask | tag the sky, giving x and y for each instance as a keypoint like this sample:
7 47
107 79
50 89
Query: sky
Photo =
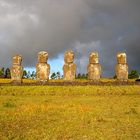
106 26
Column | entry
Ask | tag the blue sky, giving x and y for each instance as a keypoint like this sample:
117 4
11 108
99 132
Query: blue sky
56 65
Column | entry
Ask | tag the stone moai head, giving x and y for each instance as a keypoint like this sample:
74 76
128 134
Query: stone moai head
17 60
94 58
69 57
42 57
122 58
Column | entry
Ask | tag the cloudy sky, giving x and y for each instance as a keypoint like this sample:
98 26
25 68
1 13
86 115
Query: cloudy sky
106 26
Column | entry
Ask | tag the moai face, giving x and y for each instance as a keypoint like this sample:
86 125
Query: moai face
121 58
17 60
69 57
42 57
94 58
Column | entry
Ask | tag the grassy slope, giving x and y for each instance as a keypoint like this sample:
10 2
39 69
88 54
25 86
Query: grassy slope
84 113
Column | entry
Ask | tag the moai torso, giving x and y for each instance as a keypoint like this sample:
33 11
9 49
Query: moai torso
69 68
94 72
42 68
94 68
69 71
17 69
122 67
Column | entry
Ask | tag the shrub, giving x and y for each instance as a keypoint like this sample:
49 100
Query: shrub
133 74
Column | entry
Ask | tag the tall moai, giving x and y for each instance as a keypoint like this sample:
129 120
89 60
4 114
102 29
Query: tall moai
42 68
122 67
17 70
94 68
69 68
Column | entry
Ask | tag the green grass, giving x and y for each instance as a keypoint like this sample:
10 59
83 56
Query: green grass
70 113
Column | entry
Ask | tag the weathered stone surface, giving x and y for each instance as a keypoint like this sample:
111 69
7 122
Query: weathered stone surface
69 57
17 60
122 67
17 69
43 71
94 68
42 57
69 68
94 58
122 58
122 72
94 72
42 68
69 72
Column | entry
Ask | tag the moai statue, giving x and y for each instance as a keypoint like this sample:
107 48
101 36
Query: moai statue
122 67
94 68
42 68
17 70
69 68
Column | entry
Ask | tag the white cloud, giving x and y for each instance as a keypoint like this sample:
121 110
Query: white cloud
5 4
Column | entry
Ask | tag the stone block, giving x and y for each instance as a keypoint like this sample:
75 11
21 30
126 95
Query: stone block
122 58
42 68
69 68
94 58
69 72
94 72
122 72
17 70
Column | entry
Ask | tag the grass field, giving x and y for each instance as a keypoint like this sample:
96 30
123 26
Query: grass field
7 81
70 113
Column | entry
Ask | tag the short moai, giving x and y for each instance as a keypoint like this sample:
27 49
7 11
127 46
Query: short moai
122 67
42 68
94 68
17 70
69 68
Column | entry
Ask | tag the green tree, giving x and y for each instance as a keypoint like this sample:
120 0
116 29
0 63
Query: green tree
83 76
87 76
133 74
58 75
33 75
53 76
115 76
79 76
7 73
2 72
24 74
28 75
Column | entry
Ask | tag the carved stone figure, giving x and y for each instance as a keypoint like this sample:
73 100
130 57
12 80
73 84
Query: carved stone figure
94 68
122 67
42 68
69 68
17 69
